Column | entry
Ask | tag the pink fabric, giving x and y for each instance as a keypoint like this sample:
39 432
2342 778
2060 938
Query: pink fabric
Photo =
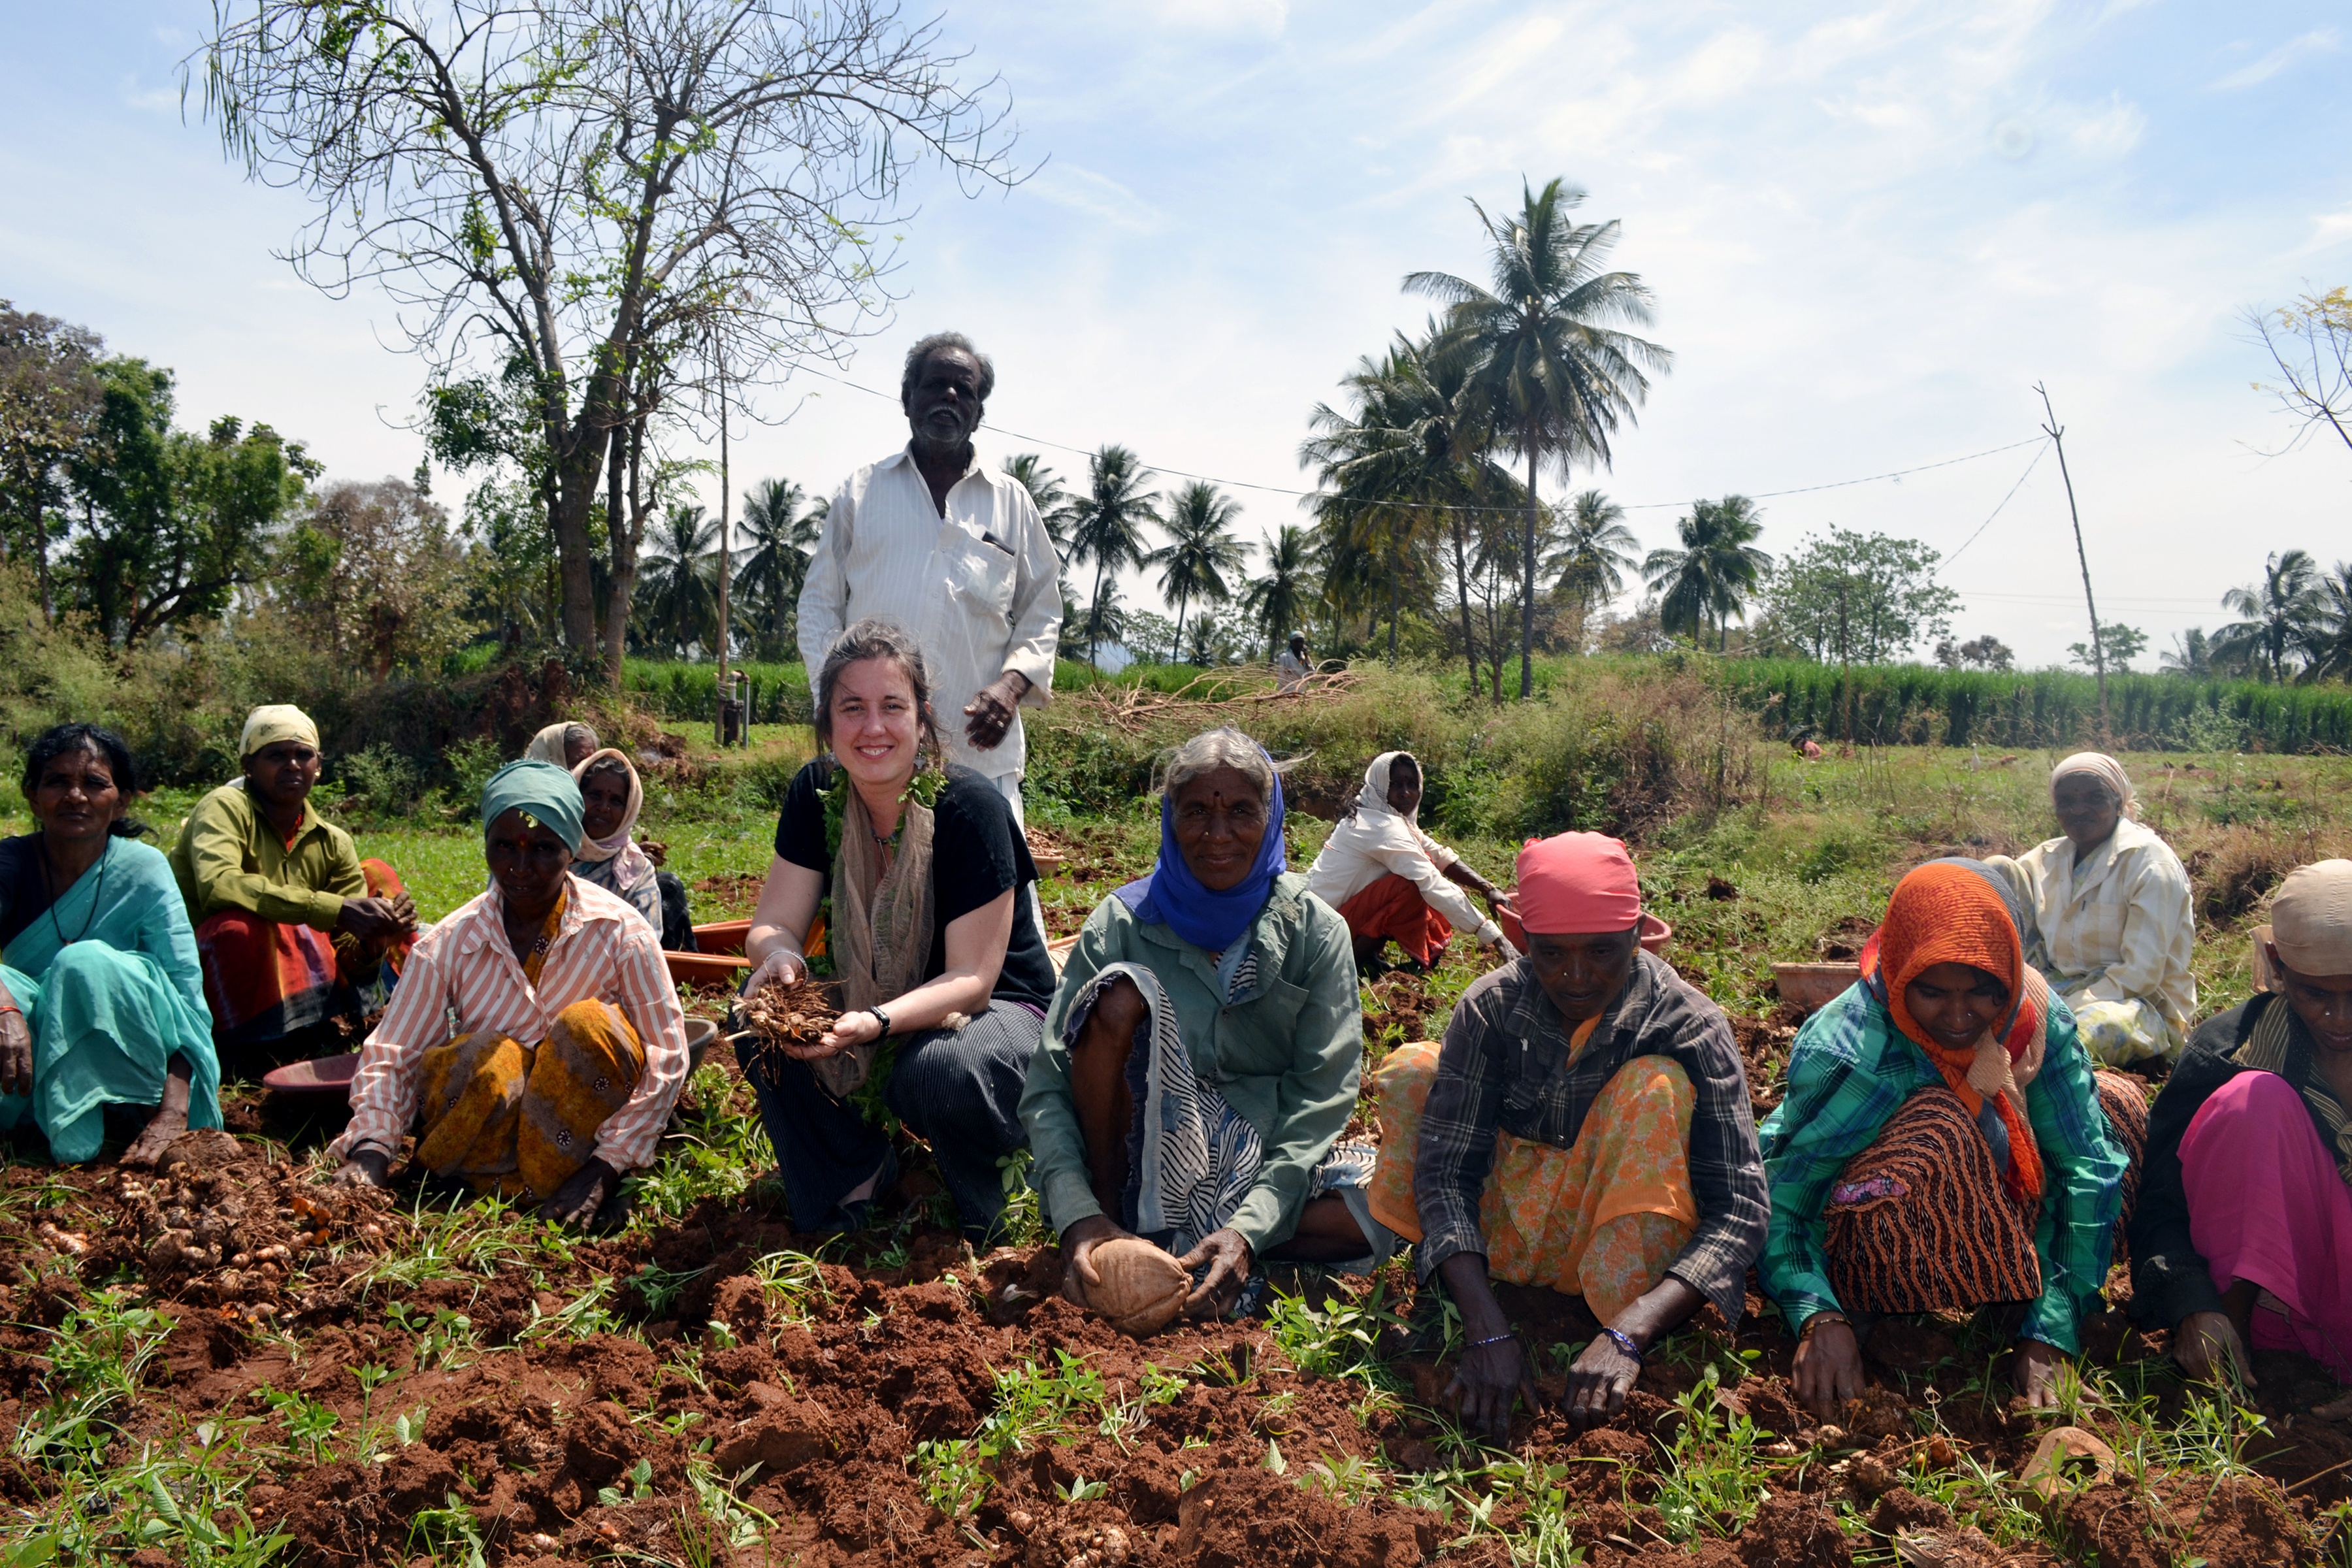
2266 1204
1575 884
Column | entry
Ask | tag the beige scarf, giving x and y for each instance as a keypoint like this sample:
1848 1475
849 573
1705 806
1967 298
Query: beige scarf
881 935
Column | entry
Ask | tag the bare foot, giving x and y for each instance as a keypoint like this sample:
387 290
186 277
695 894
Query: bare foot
170 1118
165 1125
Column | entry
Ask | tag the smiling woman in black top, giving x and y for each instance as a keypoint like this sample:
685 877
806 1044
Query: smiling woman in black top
904 879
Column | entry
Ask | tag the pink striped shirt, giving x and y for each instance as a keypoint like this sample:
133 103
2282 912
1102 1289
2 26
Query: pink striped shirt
604 950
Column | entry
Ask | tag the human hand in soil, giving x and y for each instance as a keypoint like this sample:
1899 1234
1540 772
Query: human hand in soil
990 714
1489 1379
2036 1372
1598 1384
15 1052
170 1118
1828 1370
1229 1261
849 1029
2207 1346
1078 1243
575 1203
369 1167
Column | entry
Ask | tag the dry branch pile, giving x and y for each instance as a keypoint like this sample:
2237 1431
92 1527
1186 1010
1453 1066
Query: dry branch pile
1210 689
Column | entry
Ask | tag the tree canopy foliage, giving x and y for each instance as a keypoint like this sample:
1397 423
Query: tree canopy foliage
1846 597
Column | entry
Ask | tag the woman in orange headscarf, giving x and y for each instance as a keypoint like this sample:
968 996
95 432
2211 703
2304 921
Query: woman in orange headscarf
1943 1144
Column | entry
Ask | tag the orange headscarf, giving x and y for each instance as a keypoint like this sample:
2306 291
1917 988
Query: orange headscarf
1945 912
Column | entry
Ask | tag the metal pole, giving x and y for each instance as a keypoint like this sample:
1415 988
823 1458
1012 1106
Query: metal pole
2057 434
726 560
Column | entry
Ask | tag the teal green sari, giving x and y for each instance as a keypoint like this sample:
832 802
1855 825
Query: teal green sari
109 982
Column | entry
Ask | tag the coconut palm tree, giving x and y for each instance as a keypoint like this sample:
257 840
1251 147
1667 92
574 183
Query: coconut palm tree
781 529
1595 551
1200 552
2192 655
1549 373
1715 570
2331 645
1047 493
1107 525
1392 474
2281 614
677 597
1277 600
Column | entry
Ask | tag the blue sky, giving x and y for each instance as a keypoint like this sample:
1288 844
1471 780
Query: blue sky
1871 229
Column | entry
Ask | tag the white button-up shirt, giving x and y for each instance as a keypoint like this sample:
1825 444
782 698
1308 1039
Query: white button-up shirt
979 588
2116 927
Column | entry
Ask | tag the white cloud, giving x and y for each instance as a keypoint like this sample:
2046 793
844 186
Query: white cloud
2319 40
1266 16
2328 230
1066 184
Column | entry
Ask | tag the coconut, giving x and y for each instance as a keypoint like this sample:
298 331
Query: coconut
1142 1286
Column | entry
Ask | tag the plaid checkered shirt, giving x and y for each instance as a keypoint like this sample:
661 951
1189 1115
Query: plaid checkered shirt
1504 1069
1851 1072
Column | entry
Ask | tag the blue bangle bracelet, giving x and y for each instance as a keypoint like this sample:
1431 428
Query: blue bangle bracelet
1626 1345
1498 1339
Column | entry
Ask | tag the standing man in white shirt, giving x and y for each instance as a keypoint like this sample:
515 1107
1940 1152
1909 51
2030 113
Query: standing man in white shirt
954 552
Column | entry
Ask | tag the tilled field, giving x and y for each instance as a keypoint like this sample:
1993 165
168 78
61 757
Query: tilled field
229 1360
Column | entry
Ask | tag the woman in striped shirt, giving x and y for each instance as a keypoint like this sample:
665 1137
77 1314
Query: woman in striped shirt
568 1045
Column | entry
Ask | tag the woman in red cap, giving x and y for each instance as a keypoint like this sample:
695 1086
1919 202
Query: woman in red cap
1943 1144
1584 1126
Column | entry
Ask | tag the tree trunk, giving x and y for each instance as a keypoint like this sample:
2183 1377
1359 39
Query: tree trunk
1173 653
1395 573
1528 587
1094 613
627 527
1461 588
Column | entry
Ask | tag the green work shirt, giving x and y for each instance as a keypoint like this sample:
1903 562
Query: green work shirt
1286 1057
229 857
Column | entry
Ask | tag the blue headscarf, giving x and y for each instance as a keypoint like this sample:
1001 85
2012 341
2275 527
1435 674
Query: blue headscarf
549 794
1171 896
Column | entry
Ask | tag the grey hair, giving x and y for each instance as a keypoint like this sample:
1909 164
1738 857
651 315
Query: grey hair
1222 748
874 637
573 731
926 347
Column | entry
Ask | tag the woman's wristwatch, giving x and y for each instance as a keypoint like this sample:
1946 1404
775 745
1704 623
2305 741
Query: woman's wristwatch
882 1018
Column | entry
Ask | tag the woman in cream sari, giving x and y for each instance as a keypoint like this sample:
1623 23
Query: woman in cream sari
901 878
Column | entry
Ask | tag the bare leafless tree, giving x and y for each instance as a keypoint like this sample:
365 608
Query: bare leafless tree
589 195
2310 342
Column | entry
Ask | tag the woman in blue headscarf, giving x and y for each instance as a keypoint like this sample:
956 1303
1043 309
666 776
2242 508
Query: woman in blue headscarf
1202 1054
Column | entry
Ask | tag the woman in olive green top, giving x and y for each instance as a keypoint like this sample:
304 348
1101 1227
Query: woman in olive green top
1202 1054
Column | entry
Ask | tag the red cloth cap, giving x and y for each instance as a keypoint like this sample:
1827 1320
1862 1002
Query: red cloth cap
1577 883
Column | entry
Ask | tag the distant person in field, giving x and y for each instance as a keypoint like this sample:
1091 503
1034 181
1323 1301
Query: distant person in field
100 1000
293 928
535 1045
906 877
2242 1238
1203 1053
1291 670
566 745
1585 1126
1392 882
2110 922
933 538
1944 1144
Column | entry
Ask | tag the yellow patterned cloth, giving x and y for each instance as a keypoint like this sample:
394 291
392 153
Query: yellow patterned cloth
518 1118
1603 1220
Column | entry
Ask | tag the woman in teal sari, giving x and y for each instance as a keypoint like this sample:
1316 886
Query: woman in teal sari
101 1002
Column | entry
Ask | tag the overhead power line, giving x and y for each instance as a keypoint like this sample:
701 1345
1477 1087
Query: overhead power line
1511 510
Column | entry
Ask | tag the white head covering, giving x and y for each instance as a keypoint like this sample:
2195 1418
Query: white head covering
1374 795
2103 767
275 722
549 744
633 865
2311 919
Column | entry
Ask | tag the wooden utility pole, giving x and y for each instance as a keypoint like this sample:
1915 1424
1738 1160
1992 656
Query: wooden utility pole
726 560
2057 434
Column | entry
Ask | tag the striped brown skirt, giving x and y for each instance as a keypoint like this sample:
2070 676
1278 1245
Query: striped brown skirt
1919 1223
